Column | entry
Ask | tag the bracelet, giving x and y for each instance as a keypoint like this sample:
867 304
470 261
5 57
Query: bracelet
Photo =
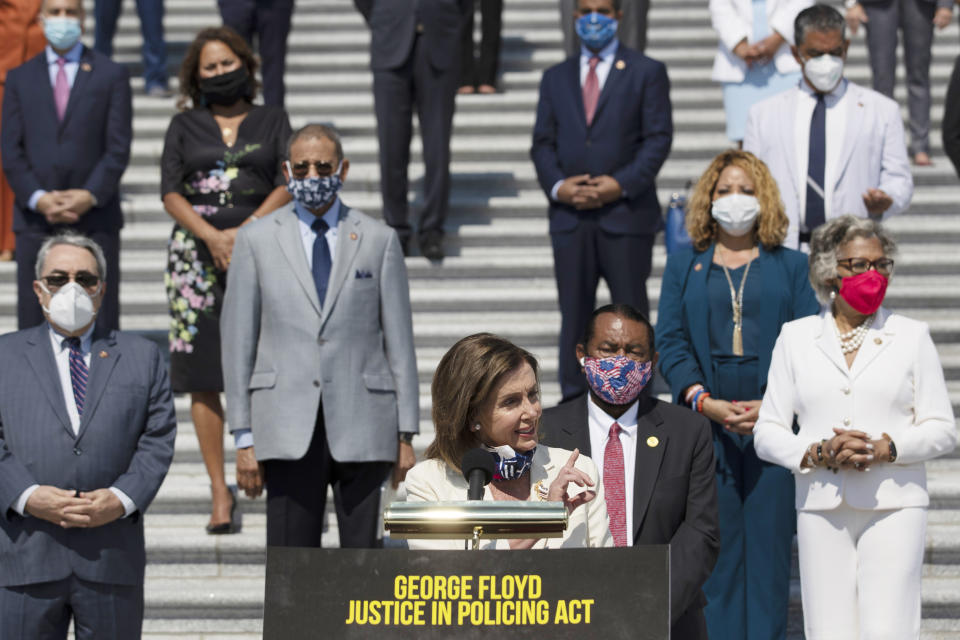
892 446
820 451
691 392
809 459
696 396
703 396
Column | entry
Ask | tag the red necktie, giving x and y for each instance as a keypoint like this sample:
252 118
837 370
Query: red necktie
613 486
591 90
61 89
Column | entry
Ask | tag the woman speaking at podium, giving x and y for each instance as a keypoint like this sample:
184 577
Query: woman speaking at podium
486 393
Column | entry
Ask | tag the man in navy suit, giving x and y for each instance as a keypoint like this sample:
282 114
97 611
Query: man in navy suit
603 131
414 55
87 428
65 144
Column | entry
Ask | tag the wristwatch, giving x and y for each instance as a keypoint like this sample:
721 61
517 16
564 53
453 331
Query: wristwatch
406 436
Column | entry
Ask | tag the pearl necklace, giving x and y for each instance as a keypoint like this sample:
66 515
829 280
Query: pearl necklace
851 340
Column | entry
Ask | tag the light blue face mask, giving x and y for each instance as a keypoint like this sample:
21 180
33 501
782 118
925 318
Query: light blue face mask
62 33
596 30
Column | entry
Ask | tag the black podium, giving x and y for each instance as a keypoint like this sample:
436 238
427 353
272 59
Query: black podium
395 593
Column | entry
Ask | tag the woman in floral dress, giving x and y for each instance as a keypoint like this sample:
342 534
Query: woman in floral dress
221 168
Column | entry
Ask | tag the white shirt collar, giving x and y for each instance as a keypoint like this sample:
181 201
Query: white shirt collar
627 422
85 340
832 97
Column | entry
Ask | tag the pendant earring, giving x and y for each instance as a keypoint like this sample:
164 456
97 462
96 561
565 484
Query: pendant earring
475 427
833 294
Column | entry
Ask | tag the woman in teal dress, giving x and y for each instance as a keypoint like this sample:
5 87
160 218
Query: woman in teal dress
221 168
722 304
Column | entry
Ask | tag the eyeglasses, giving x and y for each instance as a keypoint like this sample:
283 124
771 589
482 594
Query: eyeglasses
300 170
883 266
85 279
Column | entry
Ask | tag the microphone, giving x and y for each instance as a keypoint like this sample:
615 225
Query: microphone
477 467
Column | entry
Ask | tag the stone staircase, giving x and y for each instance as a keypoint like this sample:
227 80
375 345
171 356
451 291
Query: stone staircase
499 276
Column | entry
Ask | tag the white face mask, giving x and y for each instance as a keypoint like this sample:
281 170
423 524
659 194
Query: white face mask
824 72
736 213
71 308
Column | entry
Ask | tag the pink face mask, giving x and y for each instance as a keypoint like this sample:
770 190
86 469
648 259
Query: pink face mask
864 292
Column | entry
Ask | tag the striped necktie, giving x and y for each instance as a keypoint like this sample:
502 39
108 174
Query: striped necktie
78 372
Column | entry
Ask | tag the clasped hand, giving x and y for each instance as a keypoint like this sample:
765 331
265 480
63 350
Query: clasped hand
586 192
736 417
570 474
65 207
67 509
854 449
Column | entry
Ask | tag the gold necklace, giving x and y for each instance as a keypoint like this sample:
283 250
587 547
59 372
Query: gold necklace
736 302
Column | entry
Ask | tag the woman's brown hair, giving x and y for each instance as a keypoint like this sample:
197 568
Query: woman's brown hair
772 222
190 94
464 382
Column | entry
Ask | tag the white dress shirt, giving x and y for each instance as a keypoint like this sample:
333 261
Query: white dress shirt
61 355
607 56
243 438
836 126
70 69
600 423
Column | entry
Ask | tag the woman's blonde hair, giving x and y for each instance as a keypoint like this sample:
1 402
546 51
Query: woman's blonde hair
772 223
465 380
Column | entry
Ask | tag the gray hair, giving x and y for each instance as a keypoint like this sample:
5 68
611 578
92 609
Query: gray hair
821 18
74 239
317 131
829 238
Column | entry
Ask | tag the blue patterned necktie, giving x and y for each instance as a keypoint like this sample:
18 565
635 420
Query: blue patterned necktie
78 372
321 258
816 215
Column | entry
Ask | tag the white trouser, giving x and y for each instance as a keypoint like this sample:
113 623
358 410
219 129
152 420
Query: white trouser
860 572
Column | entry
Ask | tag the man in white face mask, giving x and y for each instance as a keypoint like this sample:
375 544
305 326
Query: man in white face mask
87 430
833 147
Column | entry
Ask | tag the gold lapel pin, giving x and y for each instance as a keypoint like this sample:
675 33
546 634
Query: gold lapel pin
653 441
621 65
86 67
877 341
103 354
697 267
353 236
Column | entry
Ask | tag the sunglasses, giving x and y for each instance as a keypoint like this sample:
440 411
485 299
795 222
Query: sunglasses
300 170
85 279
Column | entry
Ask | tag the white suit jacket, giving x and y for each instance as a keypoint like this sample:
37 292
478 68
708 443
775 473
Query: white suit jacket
733 21
874 154
895 385
588 526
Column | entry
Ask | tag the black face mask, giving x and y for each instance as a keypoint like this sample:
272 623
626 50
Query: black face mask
226 88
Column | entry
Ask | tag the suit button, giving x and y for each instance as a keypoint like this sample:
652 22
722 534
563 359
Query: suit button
419 27
77 451
321 341
316 383
846 422
588 143
846 391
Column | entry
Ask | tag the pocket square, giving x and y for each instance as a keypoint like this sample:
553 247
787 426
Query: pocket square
362 274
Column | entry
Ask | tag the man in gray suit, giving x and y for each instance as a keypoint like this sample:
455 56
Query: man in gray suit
87 428
318 358
414 54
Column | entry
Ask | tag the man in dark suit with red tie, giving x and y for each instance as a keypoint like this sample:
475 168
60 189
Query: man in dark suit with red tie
603 131
65 145
655 459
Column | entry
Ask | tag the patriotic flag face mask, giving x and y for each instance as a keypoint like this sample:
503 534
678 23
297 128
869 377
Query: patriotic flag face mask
617 380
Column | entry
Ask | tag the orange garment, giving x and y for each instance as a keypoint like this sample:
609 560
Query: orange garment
21 38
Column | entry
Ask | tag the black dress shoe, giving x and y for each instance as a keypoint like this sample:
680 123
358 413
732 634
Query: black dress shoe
432 248
236 518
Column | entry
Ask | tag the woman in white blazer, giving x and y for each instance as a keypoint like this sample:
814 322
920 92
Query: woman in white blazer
753 58
486 393
869 396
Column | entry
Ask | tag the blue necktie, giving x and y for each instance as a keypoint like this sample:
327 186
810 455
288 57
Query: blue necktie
815 165
321 258
78 372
